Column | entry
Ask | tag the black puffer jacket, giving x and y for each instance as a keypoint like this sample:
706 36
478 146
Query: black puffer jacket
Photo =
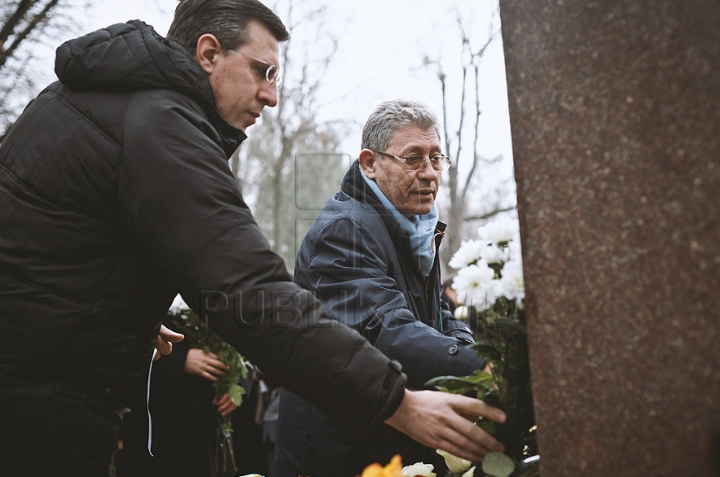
361 268
115 194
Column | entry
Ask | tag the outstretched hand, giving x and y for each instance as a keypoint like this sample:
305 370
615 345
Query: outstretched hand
205 365
165 339
446 421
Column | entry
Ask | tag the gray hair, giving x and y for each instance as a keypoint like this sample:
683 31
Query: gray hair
390 116
227 20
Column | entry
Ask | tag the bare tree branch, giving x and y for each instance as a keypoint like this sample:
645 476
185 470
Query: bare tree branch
468 110
295 117
37 20
489 214
22 21
14 20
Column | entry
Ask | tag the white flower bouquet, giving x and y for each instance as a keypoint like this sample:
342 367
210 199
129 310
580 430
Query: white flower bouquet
490 287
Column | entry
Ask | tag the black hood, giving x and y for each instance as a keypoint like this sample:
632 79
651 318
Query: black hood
133 56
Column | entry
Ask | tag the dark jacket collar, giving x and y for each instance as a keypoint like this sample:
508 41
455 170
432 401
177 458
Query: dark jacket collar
132 56
354 185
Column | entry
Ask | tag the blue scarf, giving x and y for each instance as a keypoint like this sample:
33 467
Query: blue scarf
418 229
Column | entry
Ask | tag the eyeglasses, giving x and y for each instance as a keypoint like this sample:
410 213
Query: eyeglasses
271 72
439 162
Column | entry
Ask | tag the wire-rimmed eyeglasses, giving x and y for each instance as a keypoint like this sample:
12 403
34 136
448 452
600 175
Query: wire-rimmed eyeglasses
439 162
271 72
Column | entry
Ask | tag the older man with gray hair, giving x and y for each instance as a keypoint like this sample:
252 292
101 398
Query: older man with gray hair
371 258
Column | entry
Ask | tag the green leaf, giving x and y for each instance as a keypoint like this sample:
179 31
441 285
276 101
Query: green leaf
236 392
199 335
478 378
498 464
508 324
486 350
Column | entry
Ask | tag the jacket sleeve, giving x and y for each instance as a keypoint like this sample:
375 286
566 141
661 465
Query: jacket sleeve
346 263
182 208
454 327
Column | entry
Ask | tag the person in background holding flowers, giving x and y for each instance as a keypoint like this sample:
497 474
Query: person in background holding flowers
371 258
182 406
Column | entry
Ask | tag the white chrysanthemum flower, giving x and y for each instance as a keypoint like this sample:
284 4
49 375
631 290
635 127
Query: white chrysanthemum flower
455 464
494 254
474 285
419 469
512 285
461 313
470 472
178 305
502 230
469 252
515 249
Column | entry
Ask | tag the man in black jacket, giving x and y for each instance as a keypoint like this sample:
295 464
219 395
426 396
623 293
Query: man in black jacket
371 258
115 194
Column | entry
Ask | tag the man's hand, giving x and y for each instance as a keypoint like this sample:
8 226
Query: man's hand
205 365
225 405
165 339
445 421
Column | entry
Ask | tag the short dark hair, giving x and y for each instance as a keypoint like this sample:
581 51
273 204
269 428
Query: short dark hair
227 20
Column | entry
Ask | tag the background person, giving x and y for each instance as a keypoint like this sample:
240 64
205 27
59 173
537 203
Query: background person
185 421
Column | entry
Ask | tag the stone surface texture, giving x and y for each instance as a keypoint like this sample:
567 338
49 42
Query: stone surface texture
615 116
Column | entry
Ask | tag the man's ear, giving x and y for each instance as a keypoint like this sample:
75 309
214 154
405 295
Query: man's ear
368 162
207 51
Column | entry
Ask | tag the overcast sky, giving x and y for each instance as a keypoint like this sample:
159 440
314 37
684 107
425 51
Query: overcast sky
381 45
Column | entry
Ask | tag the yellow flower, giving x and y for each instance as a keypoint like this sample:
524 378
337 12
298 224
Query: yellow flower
393 469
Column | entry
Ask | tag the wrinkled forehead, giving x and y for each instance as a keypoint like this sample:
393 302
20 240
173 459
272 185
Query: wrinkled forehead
410 136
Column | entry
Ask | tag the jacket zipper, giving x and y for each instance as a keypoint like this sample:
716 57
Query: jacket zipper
436 243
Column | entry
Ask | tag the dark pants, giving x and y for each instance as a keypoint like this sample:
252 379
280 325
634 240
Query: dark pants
46 429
